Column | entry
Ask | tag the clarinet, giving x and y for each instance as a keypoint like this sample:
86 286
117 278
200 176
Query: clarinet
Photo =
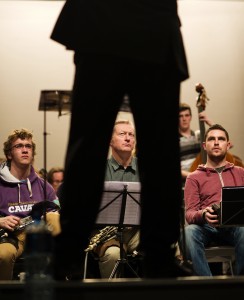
23 223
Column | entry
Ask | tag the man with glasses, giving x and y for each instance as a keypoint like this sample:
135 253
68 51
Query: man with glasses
20 189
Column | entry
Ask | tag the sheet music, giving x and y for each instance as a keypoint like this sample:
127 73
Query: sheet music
110 208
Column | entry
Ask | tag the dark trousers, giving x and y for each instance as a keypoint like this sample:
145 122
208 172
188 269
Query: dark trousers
100 84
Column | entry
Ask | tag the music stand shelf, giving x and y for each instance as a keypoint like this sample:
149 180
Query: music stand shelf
120 206
55 100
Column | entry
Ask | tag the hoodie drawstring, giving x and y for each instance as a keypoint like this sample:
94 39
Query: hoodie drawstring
29 187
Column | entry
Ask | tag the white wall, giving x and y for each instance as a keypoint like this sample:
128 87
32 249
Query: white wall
214 41
31 62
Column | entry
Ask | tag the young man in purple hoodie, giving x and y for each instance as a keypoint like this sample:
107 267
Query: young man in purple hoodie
20 189
203 189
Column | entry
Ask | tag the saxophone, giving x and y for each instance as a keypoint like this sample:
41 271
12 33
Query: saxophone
104 235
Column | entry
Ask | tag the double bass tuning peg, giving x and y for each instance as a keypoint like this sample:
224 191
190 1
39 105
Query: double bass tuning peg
199 88
202 96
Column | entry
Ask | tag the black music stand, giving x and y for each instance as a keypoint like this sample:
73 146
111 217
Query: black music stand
117 210
232 206
52 100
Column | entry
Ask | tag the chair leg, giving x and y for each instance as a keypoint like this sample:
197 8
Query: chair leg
227 268
85 266
231 268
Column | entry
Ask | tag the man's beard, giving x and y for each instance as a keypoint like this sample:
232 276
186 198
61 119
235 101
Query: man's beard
217 158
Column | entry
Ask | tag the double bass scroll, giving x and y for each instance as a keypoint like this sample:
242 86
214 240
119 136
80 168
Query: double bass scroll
202 157
201 105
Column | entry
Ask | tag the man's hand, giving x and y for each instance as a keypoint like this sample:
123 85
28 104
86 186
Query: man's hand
203 117
9 222
211 216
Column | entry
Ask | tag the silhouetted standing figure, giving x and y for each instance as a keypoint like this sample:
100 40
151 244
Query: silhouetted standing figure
134 48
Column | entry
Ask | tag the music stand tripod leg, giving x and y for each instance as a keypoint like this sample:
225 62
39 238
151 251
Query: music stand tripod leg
115 269
120 268
122 261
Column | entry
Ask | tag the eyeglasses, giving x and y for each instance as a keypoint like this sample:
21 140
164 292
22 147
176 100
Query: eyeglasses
21 146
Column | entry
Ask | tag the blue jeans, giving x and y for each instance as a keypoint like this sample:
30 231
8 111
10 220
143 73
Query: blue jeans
197 237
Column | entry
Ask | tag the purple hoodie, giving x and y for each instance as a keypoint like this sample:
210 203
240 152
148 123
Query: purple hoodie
203 188
17 197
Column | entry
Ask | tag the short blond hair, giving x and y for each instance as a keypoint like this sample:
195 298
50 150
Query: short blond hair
123 122
18 134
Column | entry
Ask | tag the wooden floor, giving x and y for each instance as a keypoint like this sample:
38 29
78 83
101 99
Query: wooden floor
190 288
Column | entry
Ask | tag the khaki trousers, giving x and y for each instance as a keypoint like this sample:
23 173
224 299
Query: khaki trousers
9 254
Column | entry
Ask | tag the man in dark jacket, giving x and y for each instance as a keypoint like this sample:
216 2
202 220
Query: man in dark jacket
133 48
